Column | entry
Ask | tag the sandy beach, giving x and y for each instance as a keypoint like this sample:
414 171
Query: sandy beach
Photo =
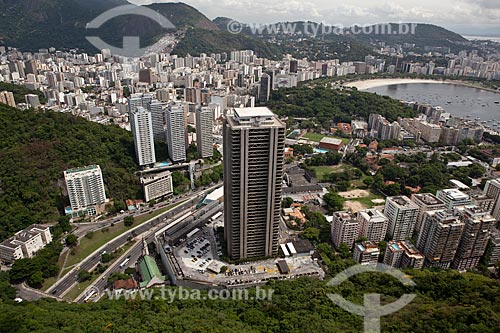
367 84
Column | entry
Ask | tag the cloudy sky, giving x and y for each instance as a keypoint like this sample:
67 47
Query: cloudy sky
463 16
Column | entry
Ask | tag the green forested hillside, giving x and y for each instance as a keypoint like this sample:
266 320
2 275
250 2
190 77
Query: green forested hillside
198 41
20 91
35 149
327 105
446 301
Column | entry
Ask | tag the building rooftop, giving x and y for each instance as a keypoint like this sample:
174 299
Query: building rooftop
372 213
428 199
283 267
455 194
82 169
344 216
253 117
253 112
402 201
303 246
331 141
149 269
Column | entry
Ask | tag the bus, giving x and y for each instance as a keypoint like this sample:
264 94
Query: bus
216 216
89 296
124 262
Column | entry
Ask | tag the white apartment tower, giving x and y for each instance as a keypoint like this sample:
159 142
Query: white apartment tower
204 131
402 214
345 229
373 225
492 190
141 125
85 187
176 132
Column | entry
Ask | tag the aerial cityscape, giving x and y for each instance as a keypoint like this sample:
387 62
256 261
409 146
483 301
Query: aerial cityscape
254 173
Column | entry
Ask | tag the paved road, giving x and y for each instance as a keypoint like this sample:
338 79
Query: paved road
30 294
66 282
201 215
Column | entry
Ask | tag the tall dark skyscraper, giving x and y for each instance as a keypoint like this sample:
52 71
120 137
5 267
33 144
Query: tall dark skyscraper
254 141
265 88
294 66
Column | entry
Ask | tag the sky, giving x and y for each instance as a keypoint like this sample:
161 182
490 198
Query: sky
472 17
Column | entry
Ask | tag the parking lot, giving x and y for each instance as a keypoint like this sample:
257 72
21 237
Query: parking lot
196 253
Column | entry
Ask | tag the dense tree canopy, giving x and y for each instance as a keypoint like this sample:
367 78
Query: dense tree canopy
446 301
328 105
35 149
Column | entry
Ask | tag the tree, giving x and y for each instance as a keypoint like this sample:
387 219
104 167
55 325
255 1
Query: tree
344 251
106 257
287 202
22 269
71 240
36 279
83 276
334 202
311 234
128 221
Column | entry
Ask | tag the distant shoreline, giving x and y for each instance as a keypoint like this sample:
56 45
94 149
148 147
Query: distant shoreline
372 83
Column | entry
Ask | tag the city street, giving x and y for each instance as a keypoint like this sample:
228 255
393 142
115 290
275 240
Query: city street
64 284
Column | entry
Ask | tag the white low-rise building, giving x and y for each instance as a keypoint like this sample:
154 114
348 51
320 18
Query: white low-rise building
25 243
157 186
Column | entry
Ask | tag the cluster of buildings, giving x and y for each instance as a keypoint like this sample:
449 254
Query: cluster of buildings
465 63
25 243
432 126
448 230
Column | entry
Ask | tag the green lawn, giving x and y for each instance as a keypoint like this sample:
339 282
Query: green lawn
325 170
316 137
367 201
79 288
313 136
88 246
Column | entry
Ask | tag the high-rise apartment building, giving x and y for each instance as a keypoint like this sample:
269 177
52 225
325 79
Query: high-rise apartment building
492 190
141 124
402 214
439 237
176 132
453 197
425 202
403 255
495 249
345 229
7 97
204 131
254 143
366 253
265 88
85 189
158 120
476 233
373 224
32 100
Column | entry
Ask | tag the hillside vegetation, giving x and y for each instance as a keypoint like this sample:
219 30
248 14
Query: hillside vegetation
20 91
328 105
446 301
35 149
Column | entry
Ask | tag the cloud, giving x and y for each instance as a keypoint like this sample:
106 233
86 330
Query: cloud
448 13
